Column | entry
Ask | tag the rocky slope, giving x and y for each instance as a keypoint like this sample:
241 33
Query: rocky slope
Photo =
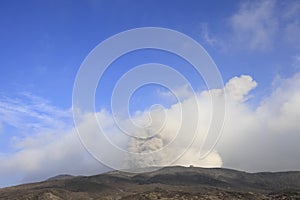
166 183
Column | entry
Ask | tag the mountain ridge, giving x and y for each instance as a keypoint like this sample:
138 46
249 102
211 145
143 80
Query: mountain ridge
169 182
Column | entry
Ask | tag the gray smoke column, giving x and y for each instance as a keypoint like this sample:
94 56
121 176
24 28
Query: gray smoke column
142 147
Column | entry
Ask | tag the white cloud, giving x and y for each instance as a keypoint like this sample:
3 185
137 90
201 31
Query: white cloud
182 93
29 112
264 138
238 88
46 155
254 139
42 141
291 20
207 36
296 62
255 24
282 107
259 25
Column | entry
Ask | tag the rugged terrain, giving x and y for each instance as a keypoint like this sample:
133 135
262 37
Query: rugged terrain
165 183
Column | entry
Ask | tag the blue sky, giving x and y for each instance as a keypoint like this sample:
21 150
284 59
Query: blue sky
43 43
46 41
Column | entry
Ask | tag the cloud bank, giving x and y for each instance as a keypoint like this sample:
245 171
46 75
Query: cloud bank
255 138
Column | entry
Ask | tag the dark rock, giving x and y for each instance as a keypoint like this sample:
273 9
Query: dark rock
165 183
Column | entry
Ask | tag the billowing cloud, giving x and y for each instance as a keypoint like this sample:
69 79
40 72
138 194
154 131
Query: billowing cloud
259 138
266 137
238 88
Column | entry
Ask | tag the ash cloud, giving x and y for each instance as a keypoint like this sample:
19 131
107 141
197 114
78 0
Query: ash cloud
261 138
